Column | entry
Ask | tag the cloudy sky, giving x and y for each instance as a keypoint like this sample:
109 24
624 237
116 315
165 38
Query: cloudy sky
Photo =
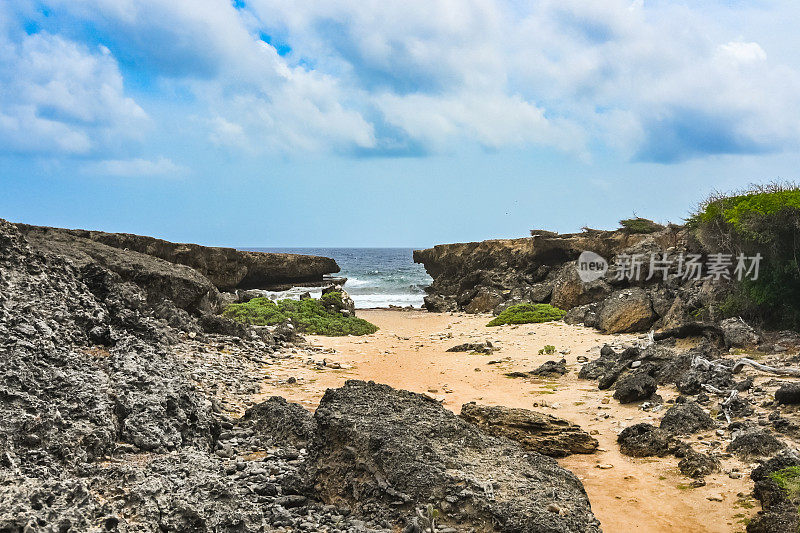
379 123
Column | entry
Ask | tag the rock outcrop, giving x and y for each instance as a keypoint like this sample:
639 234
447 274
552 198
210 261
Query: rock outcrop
492 275
384 452
538 432
226 268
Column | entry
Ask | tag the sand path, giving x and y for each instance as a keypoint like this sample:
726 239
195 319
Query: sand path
643 495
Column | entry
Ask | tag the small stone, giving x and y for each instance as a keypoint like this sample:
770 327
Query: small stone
714 497
604 466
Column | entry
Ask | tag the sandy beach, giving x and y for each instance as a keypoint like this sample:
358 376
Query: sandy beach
409 352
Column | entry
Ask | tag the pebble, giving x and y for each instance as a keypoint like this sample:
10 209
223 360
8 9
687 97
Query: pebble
604 466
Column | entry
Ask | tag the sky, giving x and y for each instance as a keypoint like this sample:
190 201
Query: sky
383 123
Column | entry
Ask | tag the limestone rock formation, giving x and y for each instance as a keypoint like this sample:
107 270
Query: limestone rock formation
384 452
537 432
226 268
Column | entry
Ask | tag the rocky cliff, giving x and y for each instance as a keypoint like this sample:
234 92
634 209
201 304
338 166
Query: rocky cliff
226 268
491 275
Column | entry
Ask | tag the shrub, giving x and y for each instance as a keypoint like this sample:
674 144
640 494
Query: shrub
640 225
765 220
547 350
315 317
528 313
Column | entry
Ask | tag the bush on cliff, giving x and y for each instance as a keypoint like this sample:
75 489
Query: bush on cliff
640 225
528 313
765 220
315 317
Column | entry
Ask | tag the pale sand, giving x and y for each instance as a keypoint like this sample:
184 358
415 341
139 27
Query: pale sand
645 495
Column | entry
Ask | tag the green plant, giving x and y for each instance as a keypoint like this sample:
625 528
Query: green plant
547 350
315 317
788 479
640 225
528 313
763 220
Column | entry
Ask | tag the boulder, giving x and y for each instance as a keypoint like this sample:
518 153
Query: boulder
385 452
738 333
635 387
569 291
551 369
627 311
484 301
686 418
538 432
480 347
583 314
754 443
698 465
644 440
788 393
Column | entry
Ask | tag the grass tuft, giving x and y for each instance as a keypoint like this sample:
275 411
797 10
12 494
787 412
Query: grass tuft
315 317
527 314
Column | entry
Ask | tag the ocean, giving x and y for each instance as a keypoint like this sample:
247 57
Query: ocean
376 277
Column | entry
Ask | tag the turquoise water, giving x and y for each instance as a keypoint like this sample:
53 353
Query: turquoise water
376 277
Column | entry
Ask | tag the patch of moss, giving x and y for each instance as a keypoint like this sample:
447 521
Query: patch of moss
640 225
527 314
788 479
315 317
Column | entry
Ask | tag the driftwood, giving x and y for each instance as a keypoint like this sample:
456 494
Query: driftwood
741 363
725 404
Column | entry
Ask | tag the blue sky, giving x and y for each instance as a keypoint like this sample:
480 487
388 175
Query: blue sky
374 123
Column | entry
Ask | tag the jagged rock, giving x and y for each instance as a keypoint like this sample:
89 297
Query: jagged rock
278 421
738 333
539 432
551 369
644 440
227 268
159 279
480 347
635 387
347 307
698 465
788 393
686 418
583 314
755 442
626 311
384 451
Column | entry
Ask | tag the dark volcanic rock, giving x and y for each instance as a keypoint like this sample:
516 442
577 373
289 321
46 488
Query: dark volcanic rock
551 369
698 465
686 418
788 393
779 507
644 440
383 451
226 268
480 347
754 443
280 422
635 387
539 432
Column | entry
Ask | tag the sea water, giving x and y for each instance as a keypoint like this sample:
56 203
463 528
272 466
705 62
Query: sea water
376 277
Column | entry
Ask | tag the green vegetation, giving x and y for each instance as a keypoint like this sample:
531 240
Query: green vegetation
315 317
763 220
528 313
547 350
640 225
788 479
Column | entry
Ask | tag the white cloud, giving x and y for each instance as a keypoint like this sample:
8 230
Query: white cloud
60 97
134 168
650 80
